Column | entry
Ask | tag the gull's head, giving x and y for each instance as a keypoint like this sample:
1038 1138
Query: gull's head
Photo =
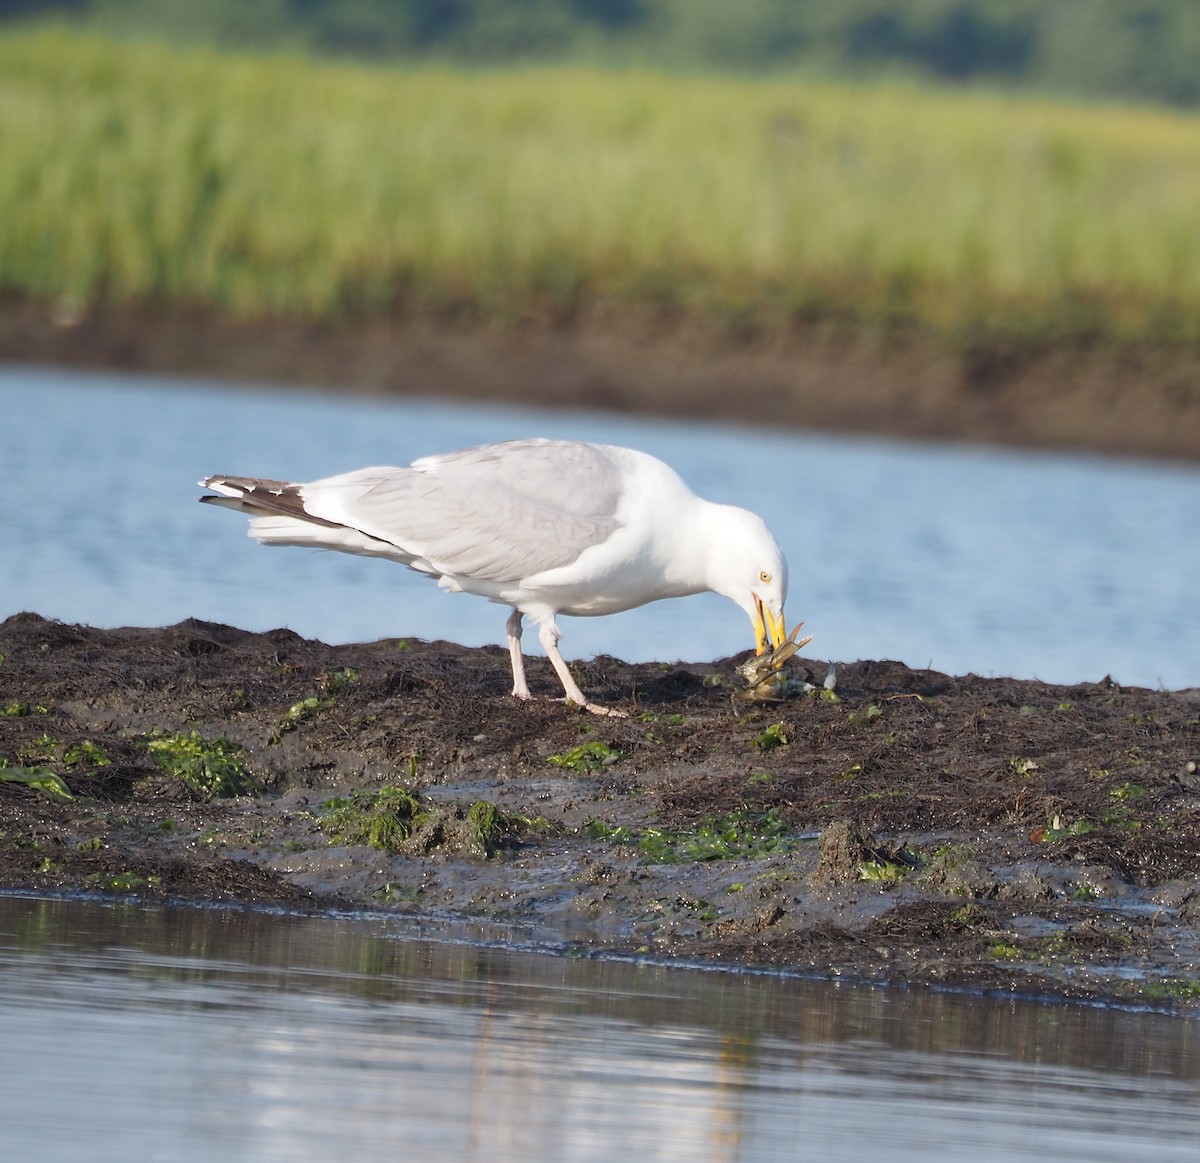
748 567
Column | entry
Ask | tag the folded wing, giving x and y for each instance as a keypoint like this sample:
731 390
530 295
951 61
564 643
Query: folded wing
496 513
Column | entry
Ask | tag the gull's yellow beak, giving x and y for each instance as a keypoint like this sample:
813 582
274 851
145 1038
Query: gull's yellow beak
768 628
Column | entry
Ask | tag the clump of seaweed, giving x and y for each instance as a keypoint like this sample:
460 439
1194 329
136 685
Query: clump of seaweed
383 818
590 756
743 834
40 779
394 819
209 769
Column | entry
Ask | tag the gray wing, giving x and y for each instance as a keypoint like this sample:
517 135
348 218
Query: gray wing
498 512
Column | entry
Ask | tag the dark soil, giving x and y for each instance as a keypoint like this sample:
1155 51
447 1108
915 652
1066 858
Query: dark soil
1097 395
911 827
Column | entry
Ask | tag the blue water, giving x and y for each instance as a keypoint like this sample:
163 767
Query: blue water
160 1033
1064 568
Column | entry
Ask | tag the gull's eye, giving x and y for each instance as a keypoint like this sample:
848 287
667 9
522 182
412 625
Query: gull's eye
764 577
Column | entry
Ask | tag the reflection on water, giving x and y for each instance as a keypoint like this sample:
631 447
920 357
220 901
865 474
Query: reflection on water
1061 568
175 1033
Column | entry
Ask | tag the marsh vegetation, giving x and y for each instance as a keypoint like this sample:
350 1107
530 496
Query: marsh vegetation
267 186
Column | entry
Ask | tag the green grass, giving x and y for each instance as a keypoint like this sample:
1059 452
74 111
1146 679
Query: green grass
269 185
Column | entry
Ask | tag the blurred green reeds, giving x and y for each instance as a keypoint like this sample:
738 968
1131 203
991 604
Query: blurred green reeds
267 185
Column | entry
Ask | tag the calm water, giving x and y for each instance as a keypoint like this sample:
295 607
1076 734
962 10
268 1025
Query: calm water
188 1034
1065 568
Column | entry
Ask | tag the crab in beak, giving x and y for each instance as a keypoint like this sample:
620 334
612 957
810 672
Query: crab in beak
768 627
765 675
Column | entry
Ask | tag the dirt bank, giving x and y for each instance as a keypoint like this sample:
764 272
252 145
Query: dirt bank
1097 396
909 827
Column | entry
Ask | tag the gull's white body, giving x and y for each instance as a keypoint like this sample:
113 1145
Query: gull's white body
546 527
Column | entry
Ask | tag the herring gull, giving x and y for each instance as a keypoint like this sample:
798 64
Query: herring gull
547 527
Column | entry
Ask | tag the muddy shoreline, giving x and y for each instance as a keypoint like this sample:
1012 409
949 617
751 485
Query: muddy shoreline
911 828
1091 396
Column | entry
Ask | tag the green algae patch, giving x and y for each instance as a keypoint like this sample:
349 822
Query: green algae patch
123 882
384 818
738 835
40 779
209 769
1171 989
86 754
590 756
774 736
492 828
884 867
1058 828
295 715
43 748
393 819
332 685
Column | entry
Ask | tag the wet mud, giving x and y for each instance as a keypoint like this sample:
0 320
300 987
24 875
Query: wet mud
904 828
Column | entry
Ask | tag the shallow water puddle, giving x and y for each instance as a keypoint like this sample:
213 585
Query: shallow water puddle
183 1033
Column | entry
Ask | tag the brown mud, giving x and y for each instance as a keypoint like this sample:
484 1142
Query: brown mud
906 828
1095 395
